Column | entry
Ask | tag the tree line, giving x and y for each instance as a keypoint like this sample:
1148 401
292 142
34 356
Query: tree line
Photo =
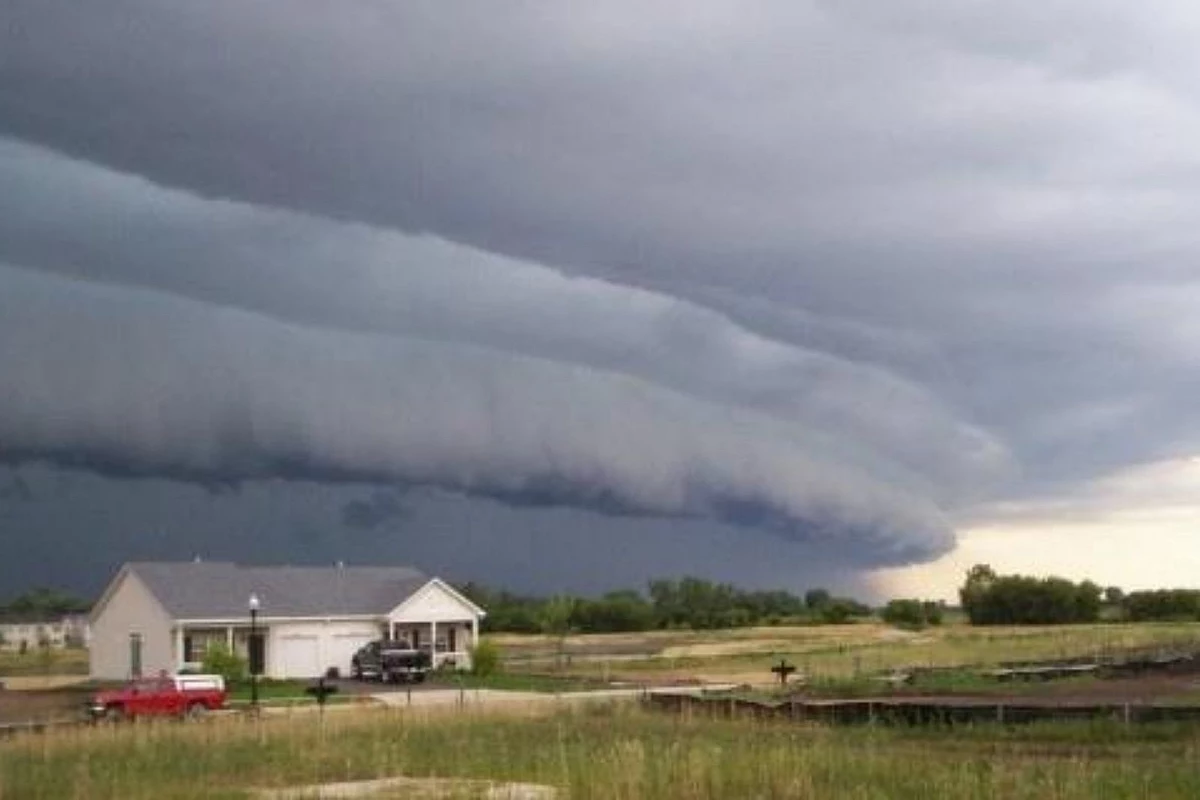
686 603
42 605
1163 605
992 599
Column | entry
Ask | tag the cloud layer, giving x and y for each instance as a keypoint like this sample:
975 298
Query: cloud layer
830 270
129 381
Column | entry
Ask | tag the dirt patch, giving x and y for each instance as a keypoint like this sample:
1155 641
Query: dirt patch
41 705
1146 688
1149 689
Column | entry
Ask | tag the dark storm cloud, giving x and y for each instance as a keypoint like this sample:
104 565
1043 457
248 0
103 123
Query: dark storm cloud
131 382
381 507
77 220
286 522
15 488
850 261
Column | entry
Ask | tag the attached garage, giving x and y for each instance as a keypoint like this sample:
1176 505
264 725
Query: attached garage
342 646
297 655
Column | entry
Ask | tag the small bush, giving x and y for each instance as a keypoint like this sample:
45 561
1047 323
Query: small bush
220 660
485 659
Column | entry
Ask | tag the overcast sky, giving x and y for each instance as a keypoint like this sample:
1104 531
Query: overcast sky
570 295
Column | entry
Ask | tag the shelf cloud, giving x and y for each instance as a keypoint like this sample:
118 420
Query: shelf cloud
832 274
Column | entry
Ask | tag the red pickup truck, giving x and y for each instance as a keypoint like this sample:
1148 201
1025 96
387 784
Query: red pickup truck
167 695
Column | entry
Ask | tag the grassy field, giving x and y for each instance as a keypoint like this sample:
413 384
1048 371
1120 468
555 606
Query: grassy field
608 752
745 655
620 751
41 663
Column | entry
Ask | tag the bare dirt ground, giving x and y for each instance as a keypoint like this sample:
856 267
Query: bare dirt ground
1144 689
41 705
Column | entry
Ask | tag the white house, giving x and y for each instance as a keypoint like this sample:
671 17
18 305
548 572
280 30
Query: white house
70 630
163 616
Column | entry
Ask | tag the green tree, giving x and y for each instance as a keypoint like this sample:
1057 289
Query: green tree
44 603
554 619
1163 605
935 611
615 612
816 599
991 599
905 613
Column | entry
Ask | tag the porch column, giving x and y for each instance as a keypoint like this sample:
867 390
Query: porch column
433 643
229 638
474 632
179 654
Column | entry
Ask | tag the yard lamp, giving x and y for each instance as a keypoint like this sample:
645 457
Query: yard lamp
252 651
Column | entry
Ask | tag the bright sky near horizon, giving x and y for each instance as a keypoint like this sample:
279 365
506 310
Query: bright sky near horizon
1138 530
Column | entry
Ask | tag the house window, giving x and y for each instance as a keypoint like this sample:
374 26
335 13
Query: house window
135 655
197 642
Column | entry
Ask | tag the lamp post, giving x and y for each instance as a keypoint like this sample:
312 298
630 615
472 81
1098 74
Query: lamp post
252 651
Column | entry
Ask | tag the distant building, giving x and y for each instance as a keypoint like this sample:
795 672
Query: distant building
27 633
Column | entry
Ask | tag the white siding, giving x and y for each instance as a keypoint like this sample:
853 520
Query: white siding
131 608
432 603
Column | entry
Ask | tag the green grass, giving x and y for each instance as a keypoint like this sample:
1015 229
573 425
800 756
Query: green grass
611 752
281 692
268 689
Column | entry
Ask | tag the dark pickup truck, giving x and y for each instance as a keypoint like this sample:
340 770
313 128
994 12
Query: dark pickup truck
390 662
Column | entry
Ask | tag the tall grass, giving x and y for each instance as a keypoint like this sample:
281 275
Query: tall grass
607 752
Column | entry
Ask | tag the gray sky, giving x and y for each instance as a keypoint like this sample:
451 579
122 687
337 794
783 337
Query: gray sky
804 289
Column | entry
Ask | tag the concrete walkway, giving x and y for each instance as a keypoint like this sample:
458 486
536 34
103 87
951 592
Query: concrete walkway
495 697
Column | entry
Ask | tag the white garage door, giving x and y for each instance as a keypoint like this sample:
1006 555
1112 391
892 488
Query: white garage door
342 647
296 657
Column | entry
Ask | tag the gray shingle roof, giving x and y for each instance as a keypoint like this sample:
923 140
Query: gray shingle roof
221 590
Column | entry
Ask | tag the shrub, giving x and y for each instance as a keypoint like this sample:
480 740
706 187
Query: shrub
485 658
904 613
220 660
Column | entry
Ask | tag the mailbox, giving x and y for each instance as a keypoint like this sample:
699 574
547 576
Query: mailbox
321 691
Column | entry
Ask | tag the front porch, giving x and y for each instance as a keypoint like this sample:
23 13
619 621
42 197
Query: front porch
191 643
450 642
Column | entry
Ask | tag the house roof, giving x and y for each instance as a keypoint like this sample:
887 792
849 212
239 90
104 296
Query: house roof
221 590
